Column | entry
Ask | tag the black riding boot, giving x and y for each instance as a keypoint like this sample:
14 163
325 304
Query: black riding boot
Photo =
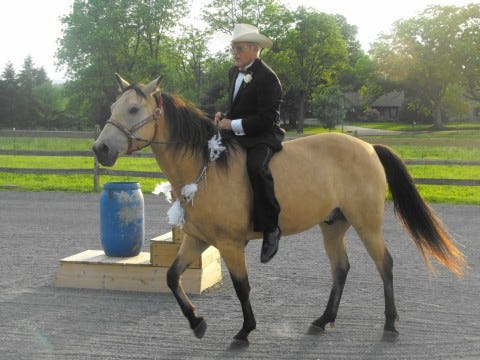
270 244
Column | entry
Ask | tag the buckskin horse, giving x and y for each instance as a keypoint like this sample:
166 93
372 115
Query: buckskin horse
331 180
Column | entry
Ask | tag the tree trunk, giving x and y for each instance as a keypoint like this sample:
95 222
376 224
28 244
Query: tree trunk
438 116
301 112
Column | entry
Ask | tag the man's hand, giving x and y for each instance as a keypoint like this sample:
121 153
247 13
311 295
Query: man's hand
218 118
222 122
225 124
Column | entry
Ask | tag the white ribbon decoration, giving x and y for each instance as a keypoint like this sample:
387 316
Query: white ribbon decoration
176 213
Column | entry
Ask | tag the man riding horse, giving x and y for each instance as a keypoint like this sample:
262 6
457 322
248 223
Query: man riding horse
254 118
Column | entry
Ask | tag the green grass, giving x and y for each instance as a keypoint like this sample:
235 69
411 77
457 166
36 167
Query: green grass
79 183
454 145
310 130
27 143
444 171
69 183
394 126
74 162
469 195
437 152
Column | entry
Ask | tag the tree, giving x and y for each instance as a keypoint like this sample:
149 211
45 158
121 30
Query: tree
428 53
309 56
470 47
193 52
101 37
28 79
329 106
19 105
215 96
454 102
9 97
270 16
51 107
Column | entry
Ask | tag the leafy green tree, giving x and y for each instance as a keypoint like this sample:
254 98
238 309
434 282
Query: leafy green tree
51 107
329 106
193 54
454 102
19 101
349 33
270 16
9 75
215 96
309 56
101 37
29 78
469 46
9 97
430 52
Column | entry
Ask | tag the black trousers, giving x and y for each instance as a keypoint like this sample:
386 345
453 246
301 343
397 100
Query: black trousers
265 206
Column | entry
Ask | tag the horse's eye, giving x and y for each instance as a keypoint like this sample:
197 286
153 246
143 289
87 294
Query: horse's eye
133 110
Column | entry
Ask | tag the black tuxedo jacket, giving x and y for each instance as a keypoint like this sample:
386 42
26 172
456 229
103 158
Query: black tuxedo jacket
258 105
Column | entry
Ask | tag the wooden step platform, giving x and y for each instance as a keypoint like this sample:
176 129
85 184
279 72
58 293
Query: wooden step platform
92 269
164 249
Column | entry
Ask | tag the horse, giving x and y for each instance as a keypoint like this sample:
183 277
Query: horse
331 180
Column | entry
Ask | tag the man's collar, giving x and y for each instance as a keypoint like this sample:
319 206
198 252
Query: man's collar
247 67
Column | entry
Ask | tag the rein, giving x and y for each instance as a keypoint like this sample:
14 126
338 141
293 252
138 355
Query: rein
130 133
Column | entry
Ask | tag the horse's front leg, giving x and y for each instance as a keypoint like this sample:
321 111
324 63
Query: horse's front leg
234 257
190 250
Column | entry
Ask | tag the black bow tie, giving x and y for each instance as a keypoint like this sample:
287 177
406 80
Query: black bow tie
243 71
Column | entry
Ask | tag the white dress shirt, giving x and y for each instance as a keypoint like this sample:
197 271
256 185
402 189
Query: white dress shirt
237 123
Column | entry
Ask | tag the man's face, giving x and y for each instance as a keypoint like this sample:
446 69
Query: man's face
243 53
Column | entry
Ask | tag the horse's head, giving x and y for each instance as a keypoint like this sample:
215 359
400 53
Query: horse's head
132 124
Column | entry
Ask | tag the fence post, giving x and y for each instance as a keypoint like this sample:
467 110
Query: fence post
96 168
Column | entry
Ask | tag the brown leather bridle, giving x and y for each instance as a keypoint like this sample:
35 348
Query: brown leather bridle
130 133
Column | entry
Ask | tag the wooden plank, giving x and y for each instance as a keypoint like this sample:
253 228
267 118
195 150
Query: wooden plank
82 153
441 162
163 251
146 174
47 133
454 182
65 153
177 234
47 171
99 257
91 269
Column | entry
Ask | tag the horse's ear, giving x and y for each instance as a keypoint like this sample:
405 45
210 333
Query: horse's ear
153 86
122 83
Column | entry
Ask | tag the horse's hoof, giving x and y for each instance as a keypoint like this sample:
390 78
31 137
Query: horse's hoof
239 344
200 329
390 335
315 329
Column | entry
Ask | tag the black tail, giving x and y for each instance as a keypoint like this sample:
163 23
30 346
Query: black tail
421 222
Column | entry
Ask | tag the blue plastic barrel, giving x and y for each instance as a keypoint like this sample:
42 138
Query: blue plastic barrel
122 225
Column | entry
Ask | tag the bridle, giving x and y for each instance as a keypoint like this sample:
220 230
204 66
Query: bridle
130 133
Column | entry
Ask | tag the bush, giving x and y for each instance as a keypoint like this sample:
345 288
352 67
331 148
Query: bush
329 106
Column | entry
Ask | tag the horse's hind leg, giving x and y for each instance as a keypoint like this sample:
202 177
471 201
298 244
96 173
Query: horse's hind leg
375 244
190 250
333 239
234 257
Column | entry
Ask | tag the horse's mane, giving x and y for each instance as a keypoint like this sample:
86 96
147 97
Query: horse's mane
191 129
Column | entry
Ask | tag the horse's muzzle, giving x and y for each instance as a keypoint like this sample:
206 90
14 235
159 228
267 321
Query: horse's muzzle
104 154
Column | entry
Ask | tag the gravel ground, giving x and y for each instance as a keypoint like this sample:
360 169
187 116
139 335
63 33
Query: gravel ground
439 315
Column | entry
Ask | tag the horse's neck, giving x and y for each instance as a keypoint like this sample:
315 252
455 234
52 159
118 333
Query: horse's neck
180 167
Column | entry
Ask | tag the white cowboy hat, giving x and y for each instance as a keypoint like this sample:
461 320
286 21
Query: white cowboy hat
249 33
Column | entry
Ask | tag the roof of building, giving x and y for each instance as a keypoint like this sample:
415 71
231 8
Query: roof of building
391 99
353 98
